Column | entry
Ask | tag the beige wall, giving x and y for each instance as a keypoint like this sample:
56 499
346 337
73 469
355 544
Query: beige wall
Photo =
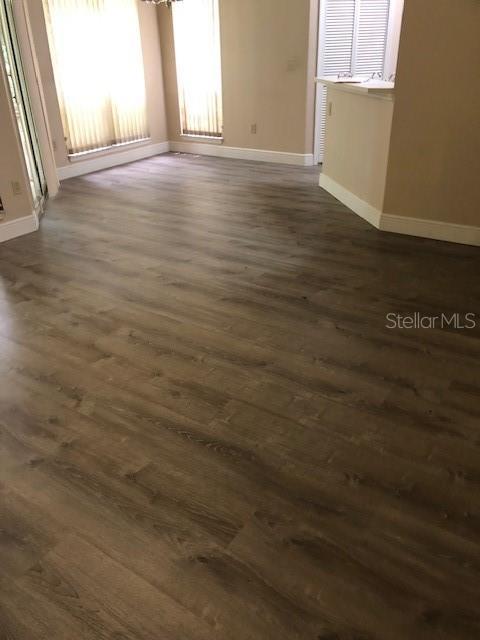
153 78
357 143
434 164
268 50
12 164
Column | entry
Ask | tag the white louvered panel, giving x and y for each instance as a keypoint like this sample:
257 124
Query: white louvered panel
371 36
337 33
323 123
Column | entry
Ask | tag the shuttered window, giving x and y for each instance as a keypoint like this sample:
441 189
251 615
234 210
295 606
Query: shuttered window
370 36
336 36
352 38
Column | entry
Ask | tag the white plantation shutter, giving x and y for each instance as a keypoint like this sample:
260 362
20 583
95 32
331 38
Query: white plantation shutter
337 32
352 37
370 40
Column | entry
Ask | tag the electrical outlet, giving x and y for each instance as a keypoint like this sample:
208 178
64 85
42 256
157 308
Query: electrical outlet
16 187
253 128
54 145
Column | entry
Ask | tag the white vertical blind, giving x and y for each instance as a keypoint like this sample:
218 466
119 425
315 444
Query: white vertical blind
352 38
199 78
98 66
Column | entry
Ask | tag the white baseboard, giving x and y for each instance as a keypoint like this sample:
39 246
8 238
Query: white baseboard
419 227
89 165
434 229
239 153
19 227
82 167
353 202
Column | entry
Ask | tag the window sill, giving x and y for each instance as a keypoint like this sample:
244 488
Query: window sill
105 151
209 139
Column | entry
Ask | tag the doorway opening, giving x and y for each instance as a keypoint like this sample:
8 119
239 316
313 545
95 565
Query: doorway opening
10 54
358 37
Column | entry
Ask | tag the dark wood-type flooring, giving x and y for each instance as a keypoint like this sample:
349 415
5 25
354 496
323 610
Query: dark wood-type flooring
208 433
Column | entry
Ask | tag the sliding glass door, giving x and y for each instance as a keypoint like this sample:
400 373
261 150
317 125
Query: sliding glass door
11 60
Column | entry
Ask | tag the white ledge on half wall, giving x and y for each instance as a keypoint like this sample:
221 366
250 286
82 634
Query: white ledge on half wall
378 88
420 227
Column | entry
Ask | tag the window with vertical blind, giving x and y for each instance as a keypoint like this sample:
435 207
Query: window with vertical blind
353 37
98 66
199 78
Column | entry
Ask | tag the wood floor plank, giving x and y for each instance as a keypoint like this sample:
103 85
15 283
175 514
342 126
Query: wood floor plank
208 431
